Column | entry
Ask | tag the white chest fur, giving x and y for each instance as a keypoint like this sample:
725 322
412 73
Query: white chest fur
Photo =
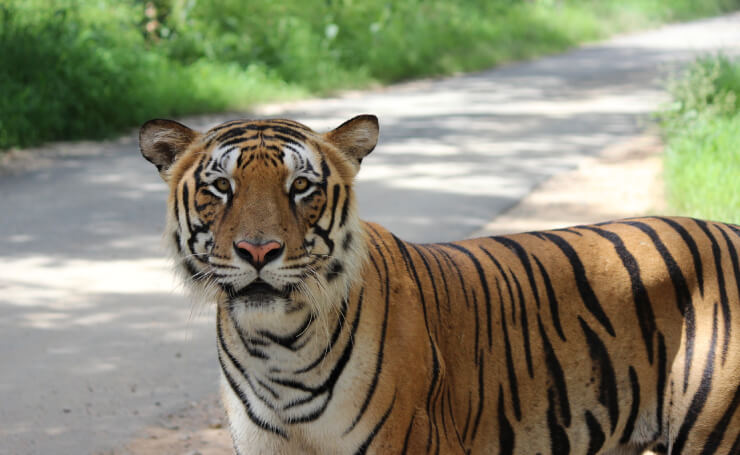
296 391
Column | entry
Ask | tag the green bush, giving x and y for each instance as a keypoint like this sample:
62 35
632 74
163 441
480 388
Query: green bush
88 68
74 71
702 129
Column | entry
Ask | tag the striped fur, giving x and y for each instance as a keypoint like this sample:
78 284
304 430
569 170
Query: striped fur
602 339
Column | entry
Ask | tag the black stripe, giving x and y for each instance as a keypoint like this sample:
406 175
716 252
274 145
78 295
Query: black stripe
660 385
251 350
240 393
736 445
456 268
408 435
552 299
464 288
506 437
285 139
289 341
733 258
430 395
347 241
185 203
596 436
570 230
435 361
290 124
363 447
288 131
328 385
431 280
268 388
334 337
191 270
176 214
433 253
176 238
608 382
345 206
524 259
683 295
467 415
224 125
509 287
250 159
481 395
444 420
452 417
513 383
525 326
243 398
231 134
335 202
724 302
584 288
383 276
557 377
643 307
718 433
559 443
733 228
630 425
701 395
484 285
334 270
240 368
691 244
299 402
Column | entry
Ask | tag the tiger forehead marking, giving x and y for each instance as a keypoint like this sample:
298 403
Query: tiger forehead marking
334 336
243 143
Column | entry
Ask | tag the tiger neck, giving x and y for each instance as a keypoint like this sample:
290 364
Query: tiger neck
284 364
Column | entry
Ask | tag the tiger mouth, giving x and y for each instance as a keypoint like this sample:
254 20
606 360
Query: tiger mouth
259 292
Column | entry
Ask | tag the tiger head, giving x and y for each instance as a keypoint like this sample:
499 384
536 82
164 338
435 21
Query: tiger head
261 214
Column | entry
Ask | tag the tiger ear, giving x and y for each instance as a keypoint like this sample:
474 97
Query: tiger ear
163 141
356 137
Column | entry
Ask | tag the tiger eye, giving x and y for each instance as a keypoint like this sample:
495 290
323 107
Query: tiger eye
300 184
222 184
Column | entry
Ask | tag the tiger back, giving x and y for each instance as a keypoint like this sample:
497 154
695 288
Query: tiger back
335 336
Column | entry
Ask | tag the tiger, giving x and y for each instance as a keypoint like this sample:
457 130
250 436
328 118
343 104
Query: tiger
334 336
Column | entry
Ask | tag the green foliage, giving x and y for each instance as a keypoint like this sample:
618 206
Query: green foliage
88 68
702 127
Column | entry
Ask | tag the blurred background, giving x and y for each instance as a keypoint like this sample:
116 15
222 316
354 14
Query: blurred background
496 116
76 69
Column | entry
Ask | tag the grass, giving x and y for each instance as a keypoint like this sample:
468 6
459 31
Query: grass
702 130
90 68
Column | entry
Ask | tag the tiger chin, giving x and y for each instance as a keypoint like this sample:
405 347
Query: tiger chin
334 336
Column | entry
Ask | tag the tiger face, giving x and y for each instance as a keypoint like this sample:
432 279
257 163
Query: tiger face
262 212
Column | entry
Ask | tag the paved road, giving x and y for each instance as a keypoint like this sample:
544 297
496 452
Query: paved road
94 342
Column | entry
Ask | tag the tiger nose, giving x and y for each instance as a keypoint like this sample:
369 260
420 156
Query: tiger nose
258 254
